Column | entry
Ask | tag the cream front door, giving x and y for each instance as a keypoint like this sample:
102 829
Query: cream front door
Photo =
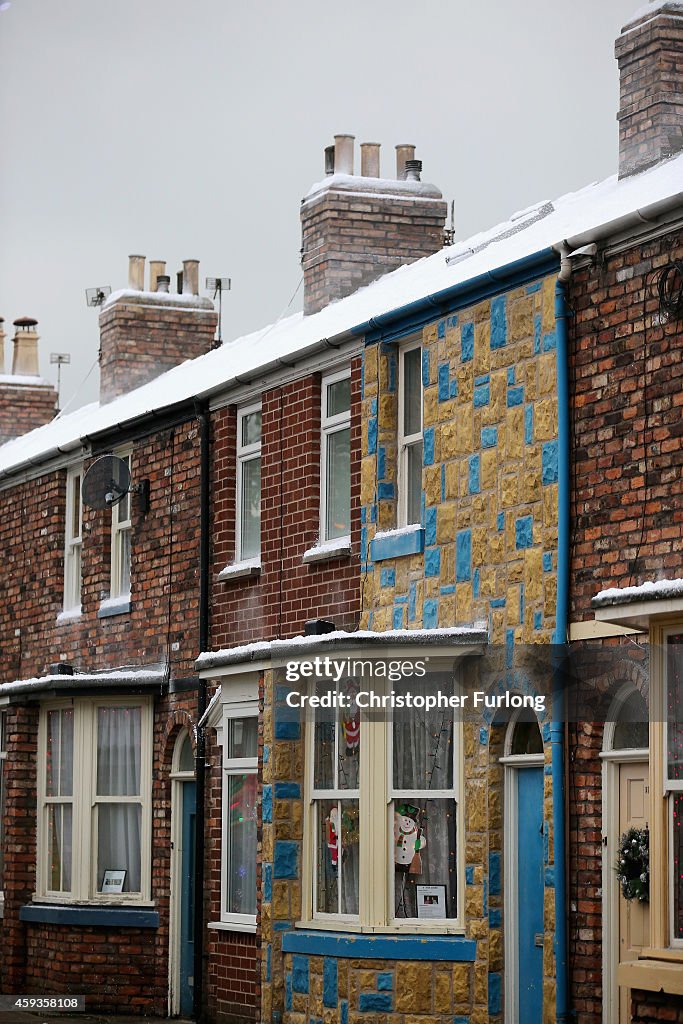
634 917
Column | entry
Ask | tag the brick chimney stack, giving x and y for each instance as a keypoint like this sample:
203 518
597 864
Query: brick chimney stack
144 333
355 228
650 55
26 400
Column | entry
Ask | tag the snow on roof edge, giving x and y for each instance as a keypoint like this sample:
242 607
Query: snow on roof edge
656 590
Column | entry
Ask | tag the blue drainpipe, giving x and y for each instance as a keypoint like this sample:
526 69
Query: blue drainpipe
560 638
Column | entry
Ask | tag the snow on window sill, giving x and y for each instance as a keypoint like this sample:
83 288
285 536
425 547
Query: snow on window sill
406 540
233 926
69 614
114 606
340 547
239 570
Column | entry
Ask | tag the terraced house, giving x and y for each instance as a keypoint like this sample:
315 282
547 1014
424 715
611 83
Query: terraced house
457 472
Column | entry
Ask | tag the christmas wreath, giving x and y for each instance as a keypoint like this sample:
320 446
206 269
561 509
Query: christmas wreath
633 864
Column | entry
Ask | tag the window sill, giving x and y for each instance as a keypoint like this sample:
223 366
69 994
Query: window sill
340 547
69 615
231 926
109 916
408 540
378 946
652 976
114 606
240 570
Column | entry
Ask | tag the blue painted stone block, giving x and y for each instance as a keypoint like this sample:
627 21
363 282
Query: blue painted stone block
425 367
268 961
537 333
476 583
549 342
495 994
329 982
489 437
387 578
393 362
428 449
469 874
515 397
373 406
548 561
386 491
549 466
474 486
286 859
461 1020
412 600
363 514
300 973
463 556
498 322
524 532
288 990
484 378
494 872
538 620
441 329
430 614
498 602
448 589
545 732
398 618
385 982
430 526
467 343
483 737
531 288
344 1012
529 424
372 435
511 375
433 562
287 791
444 382
500 521
495 917
267 804
482 396
375 1001
550 878
381 462
287 730
453 388
267 882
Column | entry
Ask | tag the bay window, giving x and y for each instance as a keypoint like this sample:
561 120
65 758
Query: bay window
335 457
94 793
410 442
384 816
248 504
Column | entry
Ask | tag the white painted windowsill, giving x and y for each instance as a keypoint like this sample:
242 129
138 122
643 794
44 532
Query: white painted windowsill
69 615
114 606
239 570
231 926
340 547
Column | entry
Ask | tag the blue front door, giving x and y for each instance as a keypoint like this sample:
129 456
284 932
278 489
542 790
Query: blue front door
187 898
530 894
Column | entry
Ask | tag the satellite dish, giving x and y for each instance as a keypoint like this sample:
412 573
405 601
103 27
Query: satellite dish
106 483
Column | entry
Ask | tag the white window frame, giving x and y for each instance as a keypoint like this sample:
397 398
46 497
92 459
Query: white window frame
670 787
406 441
238 699
376 822
120 527
73 542
85 802
245 453
331 425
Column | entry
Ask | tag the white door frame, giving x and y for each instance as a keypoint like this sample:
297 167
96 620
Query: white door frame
512 764
178 779
611 761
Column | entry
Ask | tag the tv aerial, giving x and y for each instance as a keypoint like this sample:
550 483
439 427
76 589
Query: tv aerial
96 296
218 285
107 483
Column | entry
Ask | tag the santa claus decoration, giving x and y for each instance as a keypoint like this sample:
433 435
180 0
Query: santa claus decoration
332 823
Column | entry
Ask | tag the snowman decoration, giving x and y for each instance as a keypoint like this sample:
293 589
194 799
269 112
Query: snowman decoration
409 840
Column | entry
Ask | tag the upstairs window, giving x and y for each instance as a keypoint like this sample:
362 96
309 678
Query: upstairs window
121 542
335 457
410 435
73 541
248 525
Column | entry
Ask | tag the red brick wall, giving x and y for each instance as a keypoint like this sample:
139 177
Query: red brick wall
287 592
24 407
654 1007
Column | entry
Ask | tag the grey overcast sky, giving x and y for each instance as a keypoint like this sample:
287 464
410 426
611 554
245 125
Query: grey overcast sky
192 128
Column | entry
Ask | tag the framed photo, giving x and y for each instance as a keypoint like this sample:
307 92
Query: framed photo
113 881
431 901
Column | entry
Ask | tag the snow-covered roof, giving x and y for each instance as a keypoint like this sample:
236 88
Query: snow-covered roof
264 650
596 211
659 590
124 678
